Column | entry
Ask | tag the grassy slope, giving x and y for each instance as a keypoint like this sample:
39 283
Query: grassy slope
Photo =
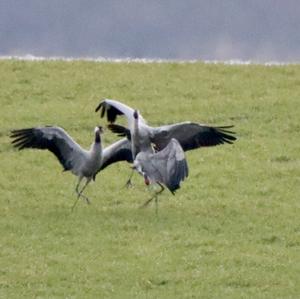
232 230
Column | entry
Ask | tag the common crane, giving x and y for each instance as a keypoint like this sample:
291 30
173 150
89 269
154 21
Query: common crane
82 163
167 167
190 135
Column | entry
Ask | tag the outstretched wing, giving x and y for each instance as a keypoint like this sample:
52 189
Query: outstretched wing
121 131
168 166
192 135
113 108
54 139
116 152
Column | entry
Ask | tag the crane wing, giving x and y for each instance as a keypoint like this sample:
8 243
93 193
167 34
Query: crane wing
118 151
113 108
54 139
192 135
121 131
168 166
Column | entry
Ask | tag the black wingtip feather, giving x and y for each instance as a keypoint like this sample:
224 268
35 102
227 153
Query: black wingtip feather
98 107
120 131
227 138
181 172
33 138
20 134
225 129
19 139
223 135
110 111
17 133
102 111
22 138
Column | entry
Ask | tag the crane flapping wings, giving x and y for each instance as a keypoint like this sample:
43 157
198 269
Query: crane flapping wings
192 135
54 139
113 108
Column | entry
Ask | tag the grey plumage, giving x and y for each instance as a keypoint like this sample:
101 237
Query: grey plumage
55 139
168 166
156 145
116 152
82 163
114 108
190 135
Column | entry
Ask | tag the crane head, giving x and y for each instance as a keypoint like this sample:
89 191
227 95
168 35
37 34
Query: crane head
135 114
99 129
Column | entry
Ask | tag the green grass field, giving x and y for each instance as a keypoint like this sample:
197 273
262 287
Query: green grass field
231 231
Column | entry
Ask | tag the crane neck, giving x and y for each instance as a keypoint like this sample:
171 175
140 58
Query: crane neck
136 128
96 147
97 137
135 137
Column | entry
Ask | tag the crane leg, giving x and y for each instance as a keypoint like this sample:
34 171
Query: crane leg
79 193
156 204
155 196
128 183
77 187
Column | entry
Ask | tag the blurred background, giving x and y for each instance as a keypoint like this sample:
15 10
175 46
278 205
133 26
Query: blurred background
255 30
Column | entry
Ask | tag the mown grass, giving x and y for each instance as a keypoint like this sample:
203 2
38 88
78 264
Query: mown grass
231 231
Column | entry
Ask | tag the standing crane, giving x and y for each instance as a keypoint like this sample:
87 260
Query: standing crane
82 163
167 167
